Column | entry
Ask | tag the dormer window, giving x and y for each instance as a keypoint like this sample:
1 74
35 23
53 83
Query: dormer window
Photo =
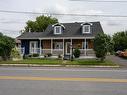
86 29
57 30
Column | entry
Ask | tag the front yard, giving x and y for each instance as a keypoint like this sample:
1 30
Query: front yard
61 62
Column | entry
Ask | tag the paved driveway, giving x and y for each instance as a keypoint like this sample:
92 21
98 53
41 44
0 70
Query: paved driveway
118 60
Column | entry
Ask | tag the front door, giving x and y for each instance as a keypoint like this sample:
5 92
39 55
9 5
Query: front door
33 47
68 48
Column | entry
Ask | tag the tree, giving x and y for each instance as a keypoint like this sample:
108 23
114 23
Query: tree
120 40
76 53
102 45
6 44
40 24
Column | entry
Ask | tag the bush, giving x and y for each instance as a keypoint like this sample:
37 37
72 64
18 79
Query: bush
59 56
6 46
35 55
15 53
30 55
76 53
1 58
45 56
26 56
120 40
49 54
102 45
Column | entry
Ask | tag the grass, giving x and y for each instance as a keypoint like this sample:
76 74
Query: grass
92 62
61 62
34 61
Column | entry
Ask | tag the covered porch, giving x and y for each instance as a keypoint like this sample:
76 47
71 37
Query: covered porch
62 46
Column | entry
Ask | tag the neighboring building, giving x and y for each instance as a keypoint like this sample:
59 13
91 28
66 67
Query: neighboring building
18 43
58 39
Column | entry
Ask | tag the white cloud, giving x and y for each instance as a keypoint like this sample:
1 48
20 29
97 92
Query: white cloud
56 8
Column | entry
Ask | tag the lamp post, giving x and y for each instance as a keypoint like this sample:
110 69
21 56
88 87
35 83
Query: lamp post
71 49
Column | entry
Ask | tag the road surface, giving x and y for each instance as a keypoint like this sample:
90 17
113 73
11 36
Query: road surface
62 81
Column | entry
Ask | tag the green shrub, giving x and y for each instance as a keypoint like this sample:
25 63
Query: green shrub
15 53
59 56
35 55
1 58
30 55
26 56
76 53
49 54
102 45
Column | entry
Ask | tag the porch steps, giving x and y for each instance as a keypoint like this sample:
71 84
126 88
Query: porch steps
66 57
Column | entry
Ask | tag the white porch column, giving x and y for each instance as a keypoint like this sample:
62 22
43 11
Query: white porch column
63 47
51 45
85 47
40 47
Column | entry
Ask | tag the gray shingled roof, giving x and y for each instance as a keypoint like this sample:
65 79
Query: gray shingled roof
71 30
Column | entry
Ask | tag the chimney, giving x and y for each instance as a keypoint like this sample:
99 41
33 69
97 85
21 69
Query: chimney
22 31
29 29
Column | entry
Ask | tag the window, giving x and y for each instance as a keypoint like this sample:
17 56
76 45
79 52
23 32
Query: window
86 28
57 30
58 45
33 46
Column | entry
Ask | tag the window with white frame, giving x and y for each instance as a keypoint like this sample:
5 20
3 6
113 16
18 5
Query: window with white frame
57 30
58 45
86 29
33 46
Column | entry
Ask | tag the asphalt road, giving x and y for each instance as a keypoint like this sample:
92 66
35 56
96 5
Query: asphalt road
62 81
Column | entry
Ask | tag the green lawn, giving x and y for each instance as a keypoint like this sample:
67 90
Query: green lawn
34 61
92 62
60 62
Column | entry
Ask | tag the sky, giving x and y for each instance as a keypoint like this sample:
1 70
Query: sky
11 24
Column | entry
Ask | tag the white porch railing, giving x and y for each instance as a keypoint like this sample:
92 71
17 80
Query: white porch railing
46 51
57 51
84 52
34 50
52 51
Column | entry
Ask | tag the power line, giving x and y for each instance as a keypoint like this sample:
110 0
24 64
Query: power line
113 1
9 30
21 12
50 14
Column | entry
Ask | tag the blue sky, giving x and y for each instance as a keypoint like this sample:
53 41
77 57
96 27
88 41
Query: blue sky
11 24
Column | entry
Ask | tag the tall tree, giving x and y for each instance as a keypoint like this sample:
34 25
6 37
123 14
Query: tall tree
120 40
6 44
102 45
40 24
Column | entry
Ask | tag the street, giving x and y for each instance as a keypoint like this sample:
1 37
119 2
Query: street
62 81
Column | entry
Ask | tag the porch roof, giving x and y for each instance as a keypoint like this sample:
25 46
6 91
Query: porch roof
71 30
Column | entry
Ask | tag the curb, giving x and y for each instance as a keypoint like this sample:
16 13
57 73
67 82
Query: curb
29 65
34 65
88 66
